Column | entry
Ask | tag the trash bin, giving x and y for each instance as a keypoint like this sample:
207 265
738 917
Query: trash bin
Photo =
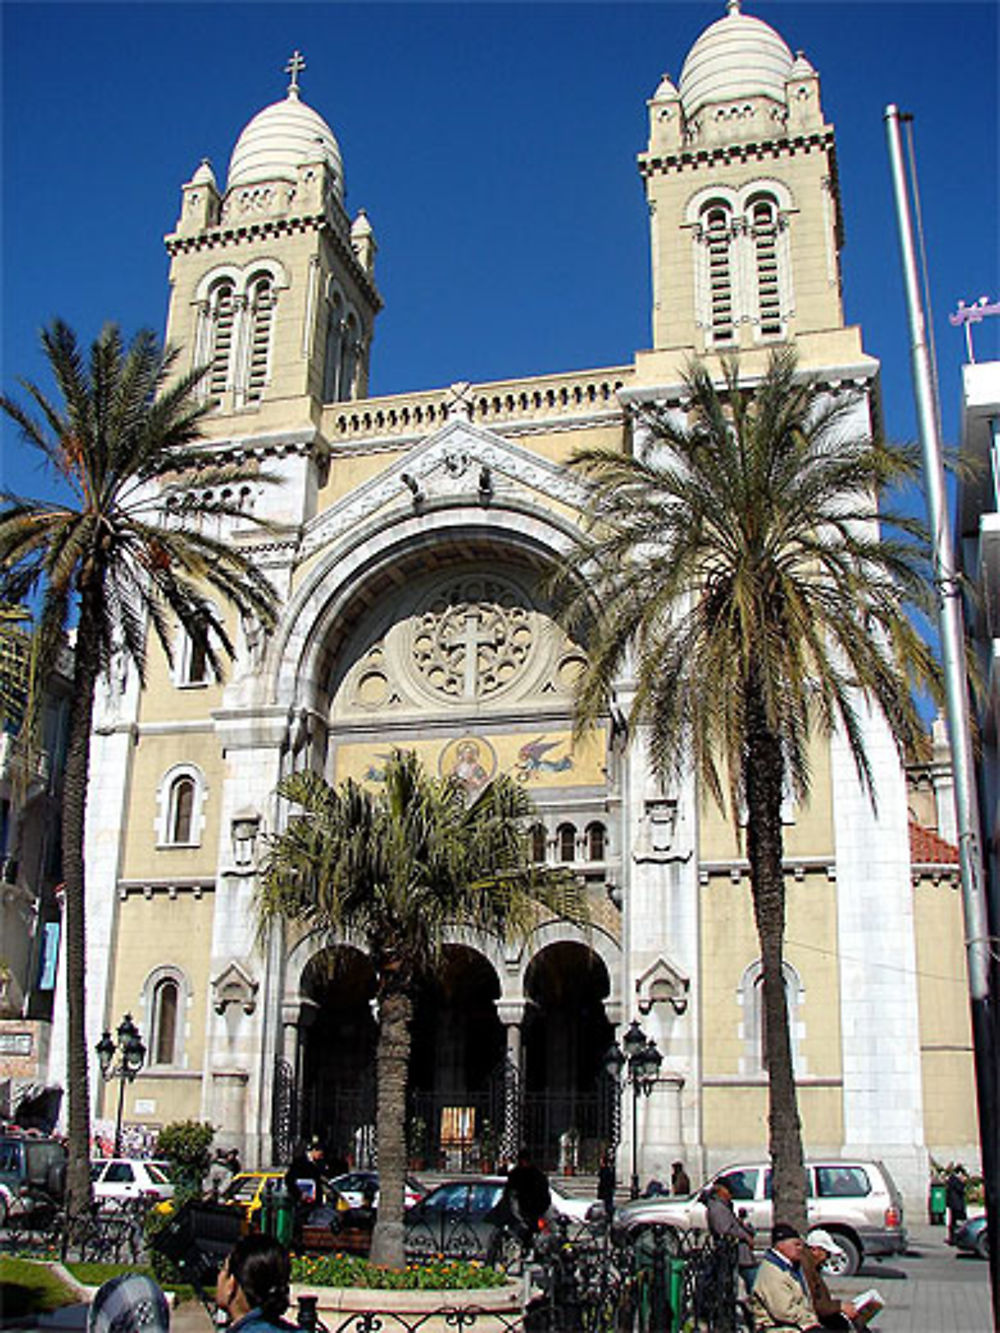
936 1204
675 1281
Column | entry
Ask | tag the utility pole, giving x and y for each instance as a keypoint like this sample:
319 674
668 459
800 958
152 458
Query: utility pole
974 898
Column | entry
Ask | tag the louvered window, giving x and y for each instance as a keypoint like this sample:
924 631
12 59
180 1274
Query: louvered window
222 314
261 309
718 239
764 230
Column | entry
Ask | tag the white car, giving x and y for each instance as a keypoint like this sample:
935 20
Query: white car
352 1185
118 1180
569 1205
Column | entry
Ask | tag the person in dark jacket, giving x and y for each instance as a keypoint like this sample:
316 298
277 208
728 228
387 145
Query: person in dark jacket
304 1178
680 1181
253 1285
528 1192
606 1185
954 1197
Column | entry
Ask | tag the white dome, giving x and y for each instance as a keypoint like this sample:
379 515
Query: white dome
737 57
279 139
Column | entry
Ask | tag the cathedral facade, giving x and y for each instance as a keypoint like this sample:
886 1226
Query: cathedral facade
410 543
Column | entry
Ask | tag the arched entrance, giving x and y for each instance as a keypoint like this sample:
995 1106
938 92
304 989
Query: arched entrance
566 1093
456 1108
338 1063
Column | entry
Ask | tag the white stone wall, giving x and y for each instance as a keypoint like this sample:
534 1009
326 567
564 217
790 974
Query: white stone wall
883 1098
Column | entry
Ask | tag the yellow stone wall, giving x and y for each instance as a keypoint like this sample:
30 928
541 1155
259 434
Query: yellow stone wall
154 755
815 288
950 1118
155 932
729 946
809 834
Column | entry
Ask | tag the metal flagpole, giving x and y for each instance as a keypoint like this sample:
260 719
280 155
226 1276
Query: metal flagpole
974 902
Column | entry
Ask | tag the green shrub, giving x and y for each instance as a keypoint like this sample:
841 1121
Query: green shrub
187 1146
347 1270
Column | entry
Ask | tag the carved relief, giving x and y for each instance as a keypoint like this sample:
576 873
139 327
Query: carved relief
473 639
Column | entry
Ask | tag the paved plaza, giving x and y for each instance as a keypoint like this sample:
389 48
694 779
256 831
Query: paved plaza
931 1289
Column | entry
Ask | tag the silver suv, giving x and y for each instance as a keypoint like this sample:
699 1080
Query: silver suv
857 1202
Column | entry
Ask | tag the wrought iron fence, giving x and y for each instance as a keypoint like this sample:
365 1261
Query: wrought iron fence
112 1235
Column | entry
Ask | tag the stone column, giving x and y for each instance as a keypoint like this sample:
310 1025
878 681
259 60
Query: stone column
511 1015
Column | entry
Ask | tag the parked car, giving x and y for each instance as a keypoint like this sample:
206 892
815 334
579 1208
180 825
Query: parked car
973 1237
856 1201
246 1191
455 1218
351 1187
118 1180
32 1174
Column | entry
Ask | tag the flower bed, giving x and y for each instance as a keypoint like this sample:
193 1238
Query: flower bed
348 1270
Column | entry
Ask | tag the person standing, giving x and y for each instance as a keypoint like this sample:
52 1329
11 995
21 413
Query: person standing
723 1222
680 1181
780 1298
528 1191
954 1198
304 1178
606 1185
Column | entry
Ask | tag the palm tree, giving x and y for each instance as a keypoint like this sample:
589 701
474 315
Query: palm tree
398 868
122 439
740 557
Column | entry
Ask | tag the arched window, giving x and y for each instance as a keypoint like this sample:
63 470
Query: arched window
182 794
192 664
718 236
566 840
539 844
180 807
166 1003
260 310
334 348
349 350
222 318
595 842
166 994
754 1026
763 231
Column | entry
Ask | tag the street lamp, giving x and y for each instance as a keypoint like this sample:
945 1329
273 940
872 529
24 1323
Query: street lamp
640 1062
131 1056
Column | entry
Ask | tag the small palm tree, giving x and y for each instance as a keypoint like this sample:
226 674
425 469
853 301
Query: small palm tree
399 868
740 557
122 440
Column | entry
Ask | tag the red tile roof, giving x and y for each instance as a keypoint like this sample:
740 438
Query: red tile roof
928 848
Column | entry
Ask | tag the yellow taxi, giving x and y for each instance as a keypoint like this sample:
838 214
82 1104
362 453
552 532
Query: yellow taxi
246 1192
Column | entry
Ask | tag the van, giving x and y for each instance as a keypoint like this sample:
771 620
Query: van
856 1201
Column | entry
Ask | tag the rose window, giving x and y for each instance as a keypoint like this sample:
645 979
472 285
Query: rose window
473 638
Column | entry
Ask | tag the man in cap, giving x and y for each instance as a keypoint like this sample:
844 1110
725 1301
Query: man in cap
820 1247
780 1299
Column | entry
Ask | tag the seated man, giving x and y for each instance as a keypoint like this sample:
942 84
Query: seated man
819 1247
780 1299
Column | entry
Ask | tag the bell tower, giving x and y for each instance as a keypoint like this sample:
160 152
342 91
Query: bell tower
272 285
741 182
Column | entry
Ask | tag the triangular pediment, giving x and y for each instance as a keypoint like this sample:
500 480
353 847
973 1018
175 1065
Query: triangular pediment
462 463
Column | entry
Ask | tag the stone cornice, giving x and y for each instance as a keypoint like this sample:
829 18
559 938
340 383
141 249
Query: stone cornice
723 154
221 238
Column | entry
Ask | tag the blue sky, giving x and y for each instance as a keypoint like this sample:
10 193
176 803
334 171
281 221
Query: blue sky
493 147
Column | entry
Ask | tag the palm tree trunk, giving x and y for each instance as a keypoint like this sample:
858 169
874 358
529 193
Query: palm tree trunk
74 809
764 782
393 1058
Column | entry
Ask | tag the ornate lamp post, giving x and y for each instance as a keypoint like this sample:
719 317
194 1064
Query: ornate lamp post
640 1062
131 1055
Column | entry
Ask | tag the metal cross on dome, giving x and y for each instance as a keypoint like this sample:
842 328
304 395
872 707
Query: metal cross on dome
295 67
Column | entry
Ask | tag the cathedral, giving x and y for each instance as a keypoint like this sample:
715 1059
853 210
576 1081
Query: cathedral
410 543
